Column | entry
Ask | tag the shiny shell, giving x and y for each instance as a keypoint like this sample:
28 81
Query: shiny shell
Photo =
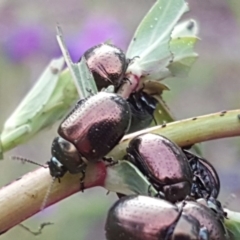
164 163
146 218
207 218
96 124
107 63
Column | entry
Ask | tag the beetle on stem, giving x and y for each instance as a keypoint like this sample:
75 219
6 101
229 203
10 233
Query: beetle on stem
142 217
89 132
164 163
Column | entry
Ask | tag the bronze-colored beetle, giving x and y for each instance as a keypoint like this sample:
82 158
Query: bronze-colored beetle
107 63
206 217
164 163
147 218
89 132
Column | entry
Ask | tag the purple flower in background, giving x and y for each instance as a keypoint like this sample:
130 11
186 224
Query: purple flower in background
22 42
25 41
95 31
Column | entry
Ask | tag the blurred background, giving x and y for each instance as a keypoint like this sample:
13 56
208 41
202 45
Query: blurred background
28 43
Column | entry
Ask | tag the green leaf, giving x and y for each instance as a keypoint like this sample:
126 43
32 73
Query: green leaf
163 115
88 84
80 72
48 101
125 178
151 40
184 55
54 93
232 224
188 28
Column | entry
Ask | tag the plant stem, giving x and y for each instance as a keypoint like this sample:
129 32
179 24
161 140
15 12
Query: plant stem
23 198
190 131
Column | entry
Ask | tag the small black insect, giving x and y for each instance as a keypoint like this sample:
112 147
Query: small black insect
142 107
206 182
108 65
164 163
147 218
89 132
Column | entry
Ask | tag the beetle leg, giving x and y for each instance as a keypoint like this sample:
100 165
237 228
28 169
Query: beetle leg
131 60
82 180
90 91
131 158
125 79
109 161
155 121
216 206
199 186
159 194
195 190
203 234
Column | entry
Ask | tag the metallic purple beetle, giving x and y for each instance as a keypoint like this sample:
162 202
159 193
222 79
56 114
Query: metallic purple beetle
208 217
164 163
146 218
108 65
89 132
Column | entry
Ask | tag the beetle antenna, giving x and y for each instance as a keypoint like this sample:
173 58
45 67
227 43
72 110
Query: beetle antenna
39 229
155 121
23 160
44 202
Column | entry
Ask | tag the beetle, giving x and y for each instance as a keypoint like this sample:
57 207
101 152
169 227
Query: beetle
89 132
142 107
207 217
163 162
147 218
206 182
107 63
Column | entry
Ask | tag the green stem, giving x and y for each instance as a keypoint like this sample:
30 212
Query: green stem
23 198
190 131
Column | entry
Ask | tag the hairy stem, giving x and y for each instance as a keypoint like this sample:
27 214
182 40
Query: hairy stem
23 198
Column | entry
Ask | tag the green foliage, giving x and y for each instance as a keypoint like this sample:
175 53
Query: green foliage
48 101
125 178
162 49
233 224
55 92
155 46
